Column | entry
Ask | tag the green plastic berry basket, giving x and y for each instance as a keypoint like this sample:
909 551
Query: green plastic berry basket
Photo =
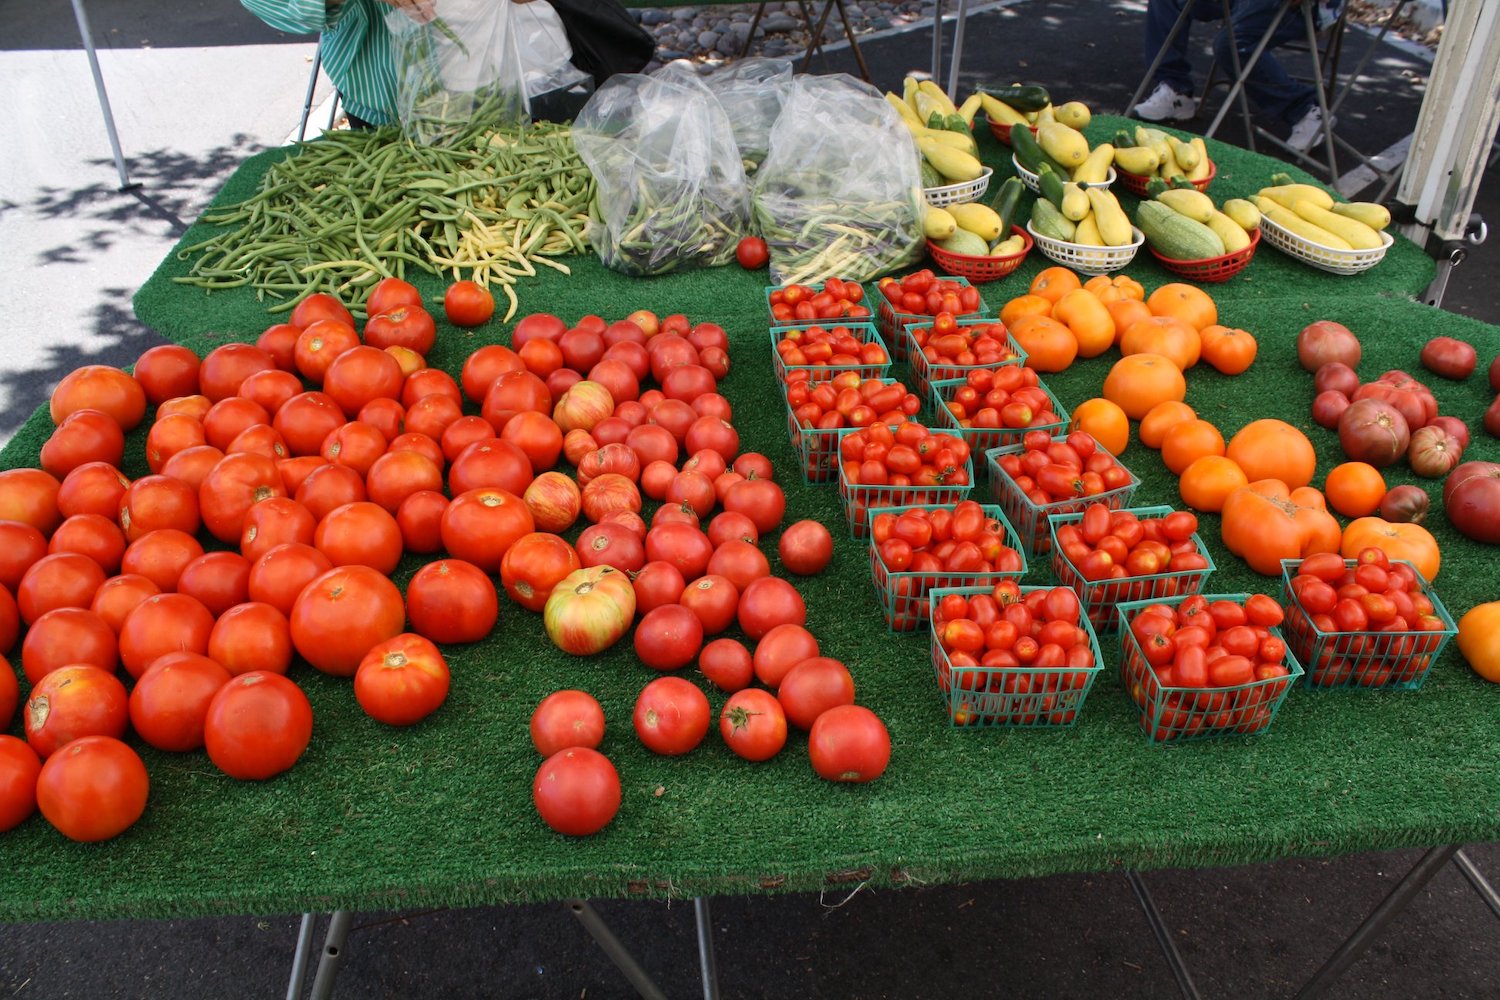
1183 714
866 333
1369 661
817 286
858 499
924 371
893 324
1099 597
1009 696
903 593
985 439
817 447
1030 519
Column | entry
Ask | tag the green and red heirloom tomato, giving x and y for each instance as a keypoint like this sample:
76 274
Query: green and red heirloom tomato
590 610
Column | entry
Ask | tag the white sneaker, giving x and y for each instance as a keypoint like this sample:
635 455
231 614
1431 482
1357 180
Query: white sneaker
1165 104
1309 129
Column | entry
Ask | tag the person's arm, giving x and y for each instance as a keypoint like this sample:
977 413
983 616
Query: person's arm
296 16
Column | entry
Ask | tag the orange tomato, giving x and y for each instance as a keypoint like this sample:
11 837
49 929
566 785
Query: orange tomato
1049 345
1355 489
1140 381
1165 335
1126 313
1411 542
1265 522
1188 303
1162 418
1025 305
1105 421
1110 288
1230 351
1054 282
1209 481
1479 639
1088 319
1274 449
1189 441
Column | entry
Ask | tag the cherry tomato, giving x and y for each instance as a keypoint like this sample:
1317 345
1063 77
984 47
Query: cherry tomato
752 254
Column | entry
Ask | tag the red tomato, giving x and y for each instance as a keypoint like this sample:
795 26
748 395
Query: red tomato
812 687
767 602
19 768
668 637
752 253
170 702
466 303
452 601
714 599
73 702
849 743
61 580
741 563
340 615
251 636
92 789
567 719
682 545
781 649
577 791
481 524
165 623
401 680
728 527
257 726
753 724
671 716
727 664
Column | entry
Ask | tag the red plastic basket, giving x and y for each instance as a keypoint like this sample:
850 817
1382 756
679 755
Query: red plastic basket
1136 183
925 372
1210 269
1029 519
1391 661
903 593
1099 597
1001 131
981 269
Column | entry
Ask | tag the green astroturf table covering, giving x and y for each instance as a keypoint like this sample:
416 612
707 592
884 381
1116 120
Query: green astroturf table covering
440 813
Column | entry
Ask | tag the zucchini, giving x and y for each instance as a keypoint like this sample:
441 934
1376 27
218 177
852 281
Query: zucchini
1156 186
1029 153
964 242
1007 202
1176 236
1123 139
1048 221
1022 98
1051 184
956 123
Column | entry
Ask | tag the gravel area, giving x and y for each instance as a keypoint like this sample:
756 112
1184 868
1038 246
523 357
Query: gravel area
711 35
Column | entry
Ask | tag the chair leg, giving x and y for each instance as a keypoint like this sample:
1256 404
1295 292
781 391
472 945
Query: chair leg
750 35
817 34
859 57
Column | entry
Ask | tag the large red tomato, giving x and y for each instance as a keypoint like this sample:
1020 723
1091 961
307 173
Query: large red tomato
576 791
657 584
328 487
167 370
306 420
360 534
805 548
166 623
251 636
481 524
611 544
91 535
849 743
66 636
84 436
682 545
759 499
668 637
275 521
30 496
100 387
93 789
753 724
341 614
421 520
567 719
534 565
767 602
21 545
727 664
19 768
226 367
452 601
117 597
671 716
161 556
780 649
402 680
484 366
92 488
404 324
590 610
219 579
537 436
714 599
62 580
277 577
492 463
513 393
257 726
236 484
154 502
72 702
170 702
741 562
812 687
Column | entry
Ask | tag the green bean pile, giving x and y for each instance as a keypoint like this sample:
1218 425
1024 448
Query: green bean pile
353 207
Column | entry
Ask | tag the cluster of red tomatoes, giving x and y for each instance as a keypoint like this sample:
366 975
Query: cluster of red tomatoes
1118 545
936 547
836 299
884 467
850 401
947 348
1048 469
1362 622
827 347
1011 656
991 398
923 293
1199 665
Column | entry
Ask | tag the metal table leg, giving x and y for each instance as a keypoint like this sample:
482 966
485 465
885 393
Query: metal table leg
1478 881
958 48
1348 952
1163 935
299 958
333 954
109 117
708 969
616 951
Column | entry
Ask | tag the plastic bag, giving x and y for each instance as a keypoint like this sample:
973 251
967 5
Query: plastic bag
751 91
461 69
839 194
671 190
546 55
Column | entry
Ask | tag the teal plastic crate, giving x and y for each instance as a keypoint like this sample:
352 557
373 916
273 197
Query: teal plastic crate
903 593
857 500
1369 661
1182 714
1030 519
984 439
818 447
1099 597
1012 697
866 333
893 324
817 286
925 372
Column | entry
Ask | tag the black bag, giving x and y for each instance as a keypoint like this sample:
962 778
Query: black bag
606 39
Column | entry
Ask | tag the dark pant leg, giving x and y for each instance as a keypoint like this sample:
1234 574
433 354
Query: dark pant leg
1175 70
1269 85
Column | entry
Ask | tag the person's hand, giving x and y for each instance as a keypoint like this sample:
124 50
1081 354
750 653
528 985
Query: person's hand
420 11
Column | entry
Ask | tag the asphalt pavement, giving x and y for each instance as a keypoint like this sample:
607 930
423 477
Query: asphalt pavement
196 87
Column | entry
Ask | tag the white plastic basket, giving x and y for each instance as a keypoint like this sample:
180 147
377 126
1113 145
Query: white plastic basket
1324 258
1087 259
1030 179
957 194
